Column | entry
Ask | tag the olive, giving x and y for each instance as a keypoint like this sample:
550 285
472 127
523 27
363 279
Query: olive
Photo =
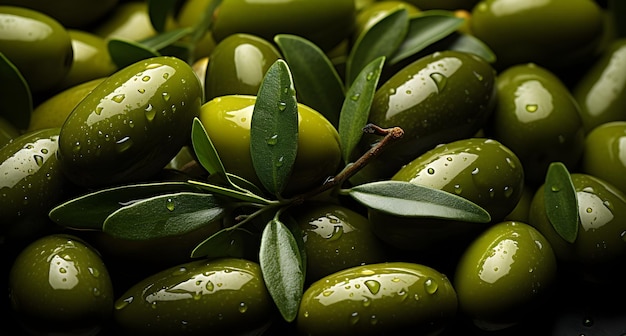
227 122
439 98
70 13
604 152
504 275
551 33
538 119
379 299
191 14
60 283
237 65
222 296
335 238
7 132
375 11
129 20
521 210
324 22
132 124
53 111
38 45
601 92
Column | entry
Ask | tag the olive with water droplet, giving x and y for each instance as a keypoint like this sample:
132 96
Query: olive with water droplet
221 296
504 275
378 299
60 284
147 122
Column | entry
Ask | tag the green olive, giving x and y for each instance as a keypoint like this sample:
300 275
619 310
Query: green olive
324 22
7 132
521 210
440 98
380 299
91 59
132 124
375 11
223 296
237 65
552 33
129 20
538 119
38 45
191 14
601 92
335 238
60 283
227 121
70 13
504 275
603 156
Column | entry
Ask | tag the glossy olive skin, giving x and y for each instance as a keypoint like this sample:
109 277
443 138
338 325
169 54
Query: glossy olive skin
552 33
7 132
128 20
604 152
378 299
227 121
91 59
324 22
53 111
538 119
222 296
335 238
60 283
70 13
32 180
440 98
237 65
601 92
38 45
131 124
503 275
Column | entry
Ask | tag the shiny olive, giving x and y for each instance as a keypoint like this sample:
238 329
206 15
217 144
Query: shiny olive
38 45
538 119
237 65
375 11
59 283
324 22
223 296
380 299
601 92
604 153
129 20
132 124
335 238
91 59
522 209
227 121
53 111
552 33
504 274
70 13
7 132
440 98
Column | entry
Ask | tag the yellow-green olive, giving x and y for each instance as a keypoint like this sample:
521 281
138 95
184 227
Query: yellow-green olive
91 59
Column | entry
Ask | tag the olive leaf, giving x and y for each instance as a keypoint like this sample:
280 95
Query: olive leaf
356 107
382 39
166 39
407 199
423 30
125 52
224 243
469 44
274 128
561 203
16 102
317 82
89 211
204 25
245 195
159 11
164 215
282 268
205 150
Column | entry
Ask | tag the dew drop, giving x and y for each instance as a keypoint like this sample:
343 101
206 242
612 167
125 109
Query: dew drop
124 144
141 90
373 320
166 96
588 322
589 210
431 171
119 98
555 188
532 108
392 92
367 302
166 75
272 140
475 171
431 286
373 286
282 106
209 286
279 162
355 96
169 204
98 110
457 189
38 159
508 191
44 151
354 318
145 78
243 307
96 292
478 76
440 80
327 293
150 112
370 76
337 233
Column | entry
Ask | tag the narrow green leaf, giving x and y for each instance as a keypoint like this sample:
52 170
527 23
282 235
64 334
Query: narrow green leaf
89 211
356 107
124 52
425 29
231 193
159 11
16 102
406 199
166 39
469 44
316 80
205 24
224 243
561 202
281 264
205 150
274 128
164 216
382 39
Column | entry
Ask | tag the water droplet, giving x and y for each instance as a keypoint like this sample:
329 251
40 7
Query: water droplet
141 90
170 204
119 98
327 293
373 286
243 307
431 171
370 76
508 191
337 233
280 161
475 171
367 302
457 189
282 106
416 297
209 286
98 110
392 92
440 80
96 292
431 286
166 96
588 322
272 140
555 188
166 75
354 318
355 96
589 210
38 159
532 108
492 192
150 112
124 144
478 76
373 320
623 235
44 151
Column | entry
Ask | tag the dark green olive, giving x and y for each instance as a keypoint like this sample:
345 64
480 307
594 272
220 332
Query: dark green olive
538 119
7 132
237 65
132 124
59 283
70 13
223 296
521 210
38 45
335 238
392 298
604 152
601 92
324 22
91 59
440 98
504 274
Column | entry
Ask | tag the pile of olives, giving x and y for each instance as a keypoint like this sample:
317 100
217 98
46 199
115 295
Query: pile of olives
134 200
